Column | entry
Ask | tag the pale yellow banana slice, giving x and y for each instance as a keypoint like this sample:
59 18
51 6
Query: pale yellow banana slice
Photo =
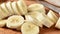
15 8
28 18
37 7
2 23
52 16
9 7
33 20
22 7
15 21
42 18
2 14
3 6
29 28
58 24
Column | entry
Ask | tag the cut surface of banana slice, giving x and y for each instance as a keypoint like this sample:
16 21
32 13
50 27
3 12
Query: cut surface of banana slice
2 23
22 7
3 6
14 21
52 16
29 28
9 7
42 18
36 7
58 24
15 8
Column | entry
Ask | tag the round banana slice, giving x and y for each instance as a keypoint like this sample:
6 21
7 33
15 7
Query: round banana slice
22 7
36 7
52 16
15 8
29 28
2 23
9 7
58 24
42 19
15 21
3 6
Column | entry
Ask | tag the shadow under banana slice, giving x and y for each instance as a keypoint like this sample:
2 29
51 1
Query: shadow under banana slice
14 21
52 16
29 28
9 7
37 7
22 7
42 18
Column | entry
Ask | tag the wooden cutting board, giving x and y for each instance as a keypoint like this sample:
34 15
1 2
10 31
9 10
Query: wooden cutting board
43 30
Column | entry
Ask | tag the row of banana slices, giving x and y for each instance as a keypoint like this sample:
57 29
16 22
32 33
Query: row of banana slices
11 8
34 19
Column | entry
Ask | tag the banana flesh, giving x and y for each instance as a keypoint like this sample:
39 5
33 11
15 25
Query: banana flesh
29 28
2 23
14 21
22 7
58 24
36 7
9 7
14 7
42 18
52 16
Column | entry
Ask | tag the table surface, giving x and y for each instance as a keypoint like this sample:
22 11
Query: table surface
43 30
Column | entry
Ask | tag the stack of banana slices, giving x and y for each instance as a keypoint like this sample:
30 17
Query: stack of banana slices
34 17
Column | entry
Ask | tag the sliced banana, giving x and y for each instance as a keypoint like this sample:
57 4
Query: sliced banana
2 14
15 21
58 24
37 7
29 28
2 23
3 6
42 19
28 18
9 7
52 16
22 7
15 8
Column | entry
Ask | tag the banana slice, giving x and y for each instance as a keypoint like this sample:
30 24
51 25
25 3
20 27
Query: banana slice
2 14
9 7
3 6
28 18
2 23
29 28
33 20
42 19
37 7
15 21
22 7
15 8
58 24
52 16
